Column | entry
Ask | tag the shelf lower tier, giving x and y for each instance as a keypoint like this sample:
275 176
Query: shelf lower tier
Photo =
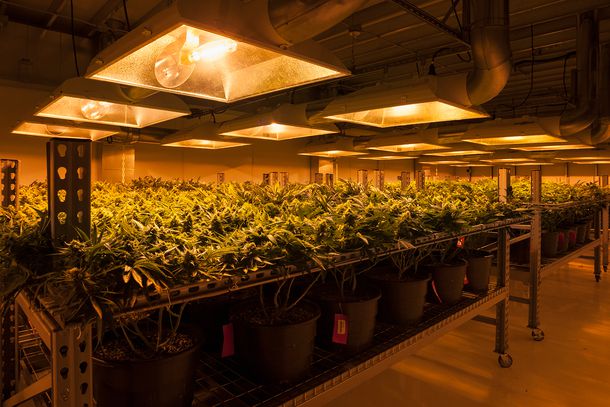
222 382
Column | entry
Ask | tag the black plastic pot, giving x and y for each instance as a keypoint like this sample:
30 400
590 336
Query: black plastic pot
572 238
360 309
563 241
448 281
581 233
520 252
275 353
550 244
477 272
164 382
402 300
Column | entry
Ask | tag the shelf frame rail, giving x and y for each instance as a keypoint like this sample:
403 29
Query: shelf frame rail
535 250
503 259
9 170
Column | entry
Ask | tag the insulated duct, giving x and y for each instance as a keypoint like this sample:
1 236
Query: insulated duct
599 131
490 46
582 116
297 21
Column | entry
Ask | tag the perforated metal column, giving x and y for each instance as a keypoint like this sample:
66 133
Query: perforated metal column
8 366
329 179
405 179
502 308
420 180
535 252
72 370
69 194
378 179
9 182
363 177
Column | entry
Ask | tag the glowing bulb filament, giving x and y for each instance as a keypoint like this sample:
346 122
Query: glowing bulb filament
95 110
212 51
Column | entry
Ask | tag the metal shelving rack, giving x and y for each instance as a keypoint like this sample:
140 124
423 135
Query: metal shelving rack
67 380
538 266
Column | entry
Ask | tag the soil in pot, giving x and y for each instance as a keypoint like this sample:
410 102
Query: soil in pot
359 307
447 281
121 379
563 241
581 233
279 351
550 244
402 300
477 272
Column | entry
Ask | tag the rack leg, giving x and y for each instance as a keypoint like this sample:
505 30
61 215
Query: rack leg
597 268
604 233
8 362
504 359
72 366
535 260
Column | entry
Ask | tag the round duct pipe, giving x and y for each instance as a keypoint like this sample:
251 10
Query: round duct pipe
582 116
297 21
599 131
490 47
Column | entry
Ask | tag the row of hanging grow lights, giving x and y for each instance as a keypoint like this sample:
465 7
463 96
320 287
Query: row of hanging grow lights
135 82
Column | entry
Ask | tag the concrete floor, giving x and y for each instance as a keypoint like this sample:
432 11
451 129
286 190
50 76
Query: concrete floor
571 367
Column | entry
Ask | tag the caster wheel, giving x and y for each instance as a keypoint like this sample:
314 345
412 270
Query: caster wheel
605 269
505 360
537 334
597 278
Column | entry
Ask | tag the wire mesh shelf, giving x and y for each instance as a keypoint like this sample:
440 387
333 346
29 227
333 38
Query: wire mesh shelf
224 382
35 360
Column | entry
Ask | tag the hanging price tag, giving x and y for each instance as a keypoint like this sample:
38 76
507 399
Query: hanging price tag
460 241
340 329
228 346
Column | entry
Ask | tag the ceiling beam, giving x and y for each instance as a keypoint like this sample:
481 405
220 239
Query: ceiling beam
56 7
430 19
104 13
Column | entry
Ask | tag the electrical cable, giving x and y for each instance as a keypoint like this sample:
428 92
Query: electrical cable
73 37
456 17
126 15
533 62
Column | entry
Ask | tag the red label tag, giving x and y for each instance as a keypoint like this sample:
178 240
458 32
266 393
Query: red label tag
438 297
460 241
228 346
340 329
466 282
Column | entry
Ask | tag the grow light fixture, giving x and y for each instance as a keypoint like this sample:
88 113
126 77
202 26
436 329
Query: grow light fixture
555 147
441 162
84 100
520 131
223 50
387 157
507 160
339 148
427 100
508 140
284 123
57 128
457 153
204 137
472 165
534 163
420 141
593 162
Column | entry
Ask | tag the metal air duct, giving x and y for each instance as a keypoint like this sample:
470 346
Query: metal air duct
297 21
490 46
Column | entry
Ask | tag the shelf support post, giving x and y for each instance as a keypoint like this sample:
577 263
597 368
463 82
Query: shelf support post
604 231
535 255
502 308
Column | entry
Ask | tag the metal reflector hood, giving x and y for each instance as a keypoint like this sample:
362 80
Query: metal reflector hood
43 127
283 123
338 148
223 50
204 137
420 141
520 131
85 100
427 100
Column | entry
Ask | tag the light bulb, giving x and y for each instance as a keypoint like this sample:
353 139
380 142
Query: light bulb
176 63
55 130
95 110
401 111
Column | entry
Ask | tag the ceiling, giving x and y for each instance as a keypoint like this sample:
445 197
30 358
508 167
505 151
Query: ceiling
380 41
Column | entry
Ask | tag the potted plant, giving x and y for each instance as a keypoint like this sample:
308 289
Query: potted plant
551 236
479 263
351 300
274 337
403 286
448 271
